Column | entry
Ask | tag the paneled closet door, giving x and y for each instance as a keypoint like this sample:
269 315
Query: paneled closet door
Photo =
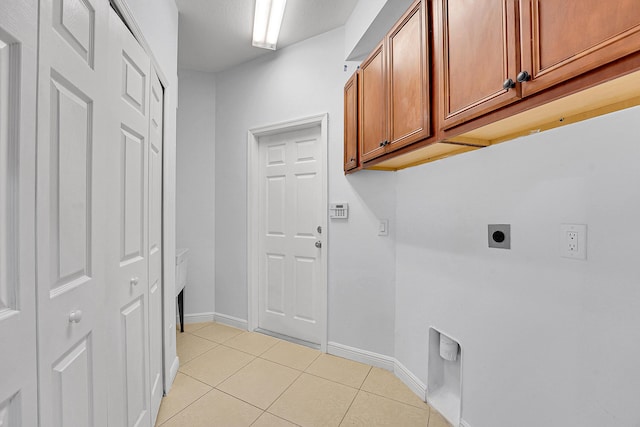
18 45
128 288
156 105
70 208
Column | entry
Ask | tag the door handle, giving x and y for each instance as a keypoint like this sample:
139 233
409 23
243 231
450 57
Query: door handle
75 316
318 244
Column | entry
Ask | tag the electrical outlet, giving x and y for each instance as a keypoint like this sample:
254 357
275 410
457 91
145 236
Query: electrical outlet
573 241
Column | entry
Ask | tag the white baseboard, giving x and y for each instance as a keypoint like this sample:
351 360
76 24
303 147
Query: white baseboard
197 318
381 361
410 380
231 321
173 371
362 356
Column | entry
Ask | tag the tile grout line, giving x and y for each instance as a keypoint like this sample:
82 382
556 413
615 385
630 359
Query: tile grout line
183 409
355 397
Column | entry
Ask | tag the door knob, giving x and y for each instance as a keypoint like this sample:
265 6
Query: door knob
318 244
523 76
134 281
508 84
75 316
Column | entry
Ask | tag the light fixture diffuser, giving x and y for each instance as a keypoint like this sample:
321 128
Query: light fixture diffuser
266 23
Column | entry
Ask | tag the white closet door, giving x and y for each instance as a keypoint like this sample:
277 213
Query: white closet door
155 243
18 43
129 77
72 113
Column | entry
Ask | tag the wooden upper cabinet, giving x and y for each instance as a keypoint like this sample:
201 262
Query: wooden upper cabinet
394 87
351 123
479 45
563 39
408 79
372 106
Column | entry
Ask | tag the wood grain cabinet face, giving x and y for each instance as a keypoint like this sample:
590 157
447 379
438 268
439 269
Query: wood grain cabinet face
479 53
408 79
372 105
394 88
351 123
563 39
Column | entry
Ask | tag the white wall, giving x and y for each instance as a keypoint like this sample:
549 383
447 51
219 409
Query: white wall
547 341
298 81
368 24
195 187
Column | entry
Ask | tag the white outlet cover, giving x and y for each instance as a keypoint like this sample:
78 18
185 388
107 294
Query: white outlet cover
580 246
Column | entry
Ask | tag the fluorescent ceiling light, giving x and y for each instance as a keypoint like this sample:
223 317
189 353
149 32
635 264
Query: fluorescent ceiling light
266 23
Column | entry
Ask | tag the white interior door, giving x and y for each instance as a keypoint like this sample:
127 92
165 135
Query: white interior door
128 291
18 382
155 244
291 272
71 172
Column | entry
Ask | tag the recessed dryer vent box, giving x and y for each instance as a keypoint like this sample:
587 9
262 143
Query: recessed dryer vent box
500 236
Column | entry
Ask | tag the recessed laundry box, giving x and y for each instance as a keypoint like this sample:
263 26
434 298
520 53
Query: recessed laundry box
444 375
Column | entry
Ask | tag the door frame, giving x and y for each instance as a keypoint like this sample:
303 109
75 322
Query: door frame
253 215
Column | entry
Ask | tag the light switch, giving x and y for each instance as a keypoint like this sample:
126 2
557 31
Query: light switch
383 227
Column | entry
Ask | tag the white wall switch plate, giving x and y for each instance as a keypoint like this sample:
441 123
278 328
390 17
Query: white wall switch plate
383 227
573 241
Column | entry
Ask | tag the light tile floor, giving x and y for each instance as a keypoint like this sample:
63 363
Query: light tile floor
230 377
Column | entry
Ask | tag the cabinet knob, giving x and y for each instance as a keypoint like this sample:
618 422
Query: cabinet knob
386 143
318 244
75 316
353 159
134 281
523 76
508 84
381 143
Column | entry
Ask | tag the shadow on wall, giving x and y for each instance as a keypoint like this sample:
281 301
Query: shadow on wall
376 191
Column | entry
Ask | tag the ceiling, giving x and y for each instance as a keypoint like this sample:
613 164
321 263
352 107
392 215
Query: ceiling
215 35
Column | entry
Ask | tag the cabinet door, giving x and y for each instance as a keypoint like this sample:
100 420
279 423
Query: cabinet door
561 40
408 72
351 123
372 106
479 43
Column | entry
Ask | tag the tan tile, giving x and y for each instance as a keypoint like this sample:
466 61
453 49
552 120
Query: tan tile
216 365
372 410
191 327
216 409
341 370
190 346
184 391
313 401
385 383
268 420
292 355
260 382
252 343
437 420
217 332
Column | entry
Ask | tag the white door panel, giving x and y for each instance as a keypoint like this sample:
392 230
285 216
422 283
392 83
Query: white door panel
292 207
72 115
155 244
128 306
18 365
